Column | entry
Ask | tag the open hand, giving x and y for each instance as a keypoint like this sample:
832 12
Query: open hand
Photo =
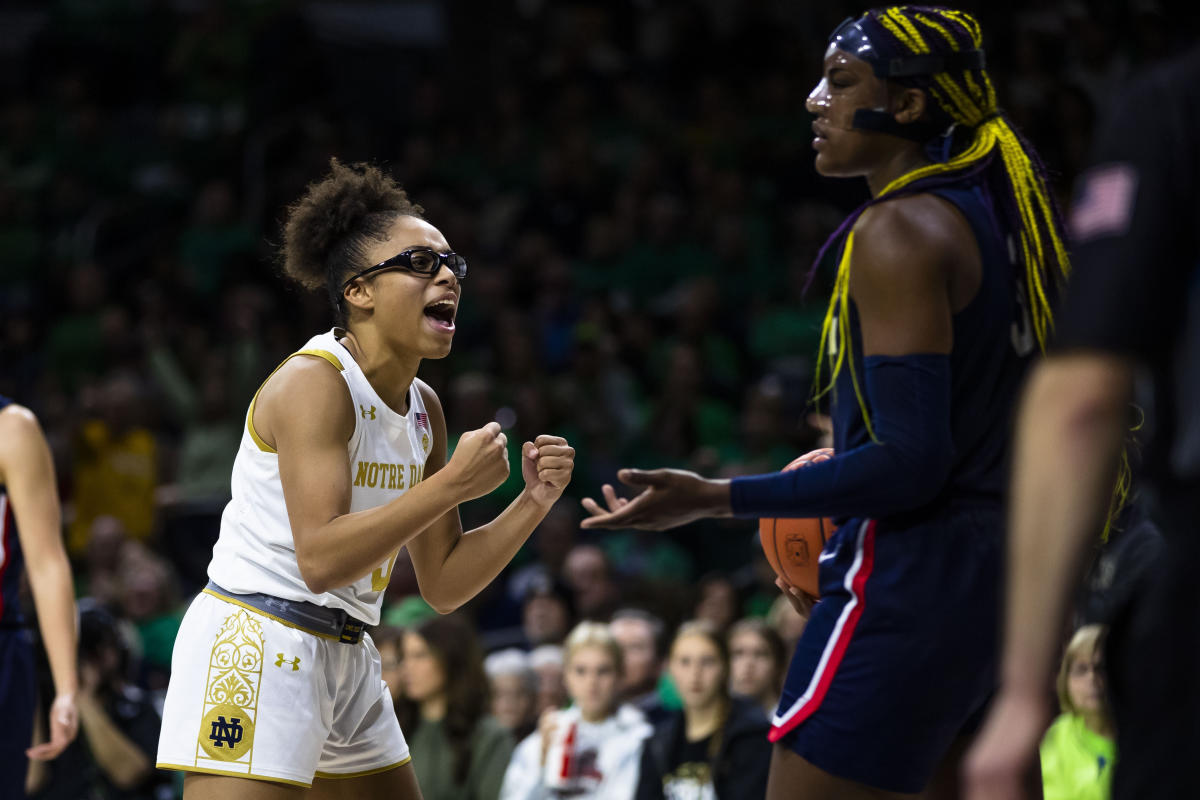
64 724
815 456
669 498
546 465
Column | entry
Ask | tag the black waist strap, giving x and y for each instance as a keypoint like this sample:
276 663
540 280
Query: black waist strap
328 623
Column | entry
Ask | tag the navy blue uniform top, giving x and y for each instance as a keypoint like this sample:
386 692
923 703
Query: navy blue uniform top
942 421
993 341
11 561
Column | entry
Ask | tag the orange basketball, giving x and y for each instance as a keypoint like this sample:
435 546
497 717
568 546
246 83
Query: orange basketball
792 546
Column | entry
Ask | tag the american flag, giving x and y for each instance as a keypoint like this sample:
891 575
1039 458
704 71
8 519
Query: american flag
422 420
1105 203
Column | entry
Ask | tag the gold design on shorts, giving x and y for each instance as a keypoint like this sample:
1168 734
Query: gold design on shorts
231 695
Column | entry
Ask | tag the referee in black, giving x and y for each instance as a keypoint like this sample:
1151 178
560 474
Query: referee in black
1131 312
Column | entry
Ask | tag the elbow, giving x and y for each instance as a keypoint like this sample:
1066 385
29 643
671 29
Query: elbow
441 602
917 474
316 575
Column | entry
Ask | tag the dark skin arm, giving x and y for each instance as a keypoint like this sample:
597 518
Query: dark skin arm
914 264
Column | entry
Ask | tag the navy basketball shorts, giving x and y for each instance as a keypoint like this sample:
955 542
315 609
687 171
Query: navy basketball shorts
898 657
17 702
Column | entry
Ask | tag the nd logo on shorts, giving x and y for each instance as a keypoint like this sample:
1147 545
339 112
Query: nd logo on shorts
230 732
231 694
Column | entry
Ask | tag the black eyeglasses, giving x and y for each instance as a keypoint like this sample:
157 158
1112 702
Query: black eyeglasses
421 260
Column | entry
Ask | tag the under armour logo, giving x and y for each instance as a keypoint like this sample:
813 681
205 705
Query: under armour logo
226 734
367 412
280 661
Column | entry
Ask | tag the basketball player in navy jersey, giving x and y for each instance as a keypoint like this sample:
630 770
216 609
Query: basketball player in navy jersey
941 298
31 538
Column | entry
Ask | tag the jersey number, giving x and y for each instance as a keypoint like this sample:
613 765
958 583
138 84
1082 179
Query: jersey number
381 576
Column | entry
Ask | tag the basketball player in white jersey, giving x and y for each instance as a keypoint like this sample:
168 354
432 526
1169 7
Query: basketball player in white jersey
275 690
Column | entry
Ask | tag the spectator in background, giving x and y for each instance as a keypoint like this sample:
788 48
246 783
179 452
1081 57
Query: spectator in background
74 343
514 688
114 757
592 749
547 662
640 635
457 749
717 600
589 575
389 642
547 612
115 462
101 574
1078 751
552 541
757 660
147 598
717 745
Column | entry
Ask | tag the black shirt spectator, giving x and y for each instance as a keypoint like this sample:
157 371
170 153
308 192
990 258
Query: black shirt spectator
739 769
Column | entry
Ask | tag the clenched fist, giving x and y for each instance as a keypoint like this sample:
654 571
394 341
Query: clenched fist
546 465
480 461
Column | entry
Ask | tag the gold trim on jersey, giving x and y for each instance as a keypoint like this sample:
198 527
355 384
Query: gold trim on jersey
224 774
230 703
364 773
280 620
258 440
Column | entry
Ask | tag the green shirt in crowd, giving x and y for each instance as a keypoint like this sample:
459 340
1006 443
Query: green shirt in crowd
433 761
1077 763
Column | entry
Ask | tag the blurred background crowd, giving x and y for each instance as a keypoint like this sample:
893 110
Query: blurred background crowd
632 185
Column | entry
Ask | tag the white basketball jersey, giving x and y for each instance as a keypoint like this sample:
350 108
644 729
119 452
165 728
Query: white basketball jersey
256 552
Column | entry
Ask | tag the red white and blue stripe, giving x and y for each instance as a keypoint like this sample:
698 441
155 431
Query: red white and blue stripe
835 647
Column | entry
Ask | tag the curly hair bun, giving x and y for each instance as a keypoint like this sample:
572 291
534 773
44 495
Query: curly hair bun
329 225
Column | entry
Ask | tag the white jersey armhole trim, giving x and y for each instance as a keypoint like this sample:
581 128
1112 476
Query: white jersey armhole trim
258 440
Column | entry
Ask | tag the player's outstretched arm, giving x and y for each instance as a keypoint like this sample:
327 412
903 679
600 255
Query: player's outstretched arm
28 472
666 499
335 547
900 277
452 566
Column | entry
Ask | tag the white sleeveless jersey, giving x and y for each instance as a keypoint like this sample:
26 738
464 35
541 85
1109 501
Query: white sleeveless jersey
256 552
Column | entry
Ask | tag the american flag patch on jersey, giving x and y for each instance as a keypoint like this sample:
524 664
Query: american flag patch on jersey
422 420
1104 206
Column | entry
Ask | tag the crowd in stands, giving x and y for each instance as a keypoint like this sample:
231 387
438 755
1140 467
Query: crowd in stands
631 183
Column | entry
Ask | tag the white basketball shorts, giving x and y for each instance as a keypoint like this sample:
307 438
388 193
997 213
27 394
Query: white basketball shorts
252 696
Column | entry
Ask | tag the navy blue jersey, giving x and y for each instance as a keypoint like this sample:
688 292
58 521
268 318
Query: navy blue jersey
993 342
11 561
